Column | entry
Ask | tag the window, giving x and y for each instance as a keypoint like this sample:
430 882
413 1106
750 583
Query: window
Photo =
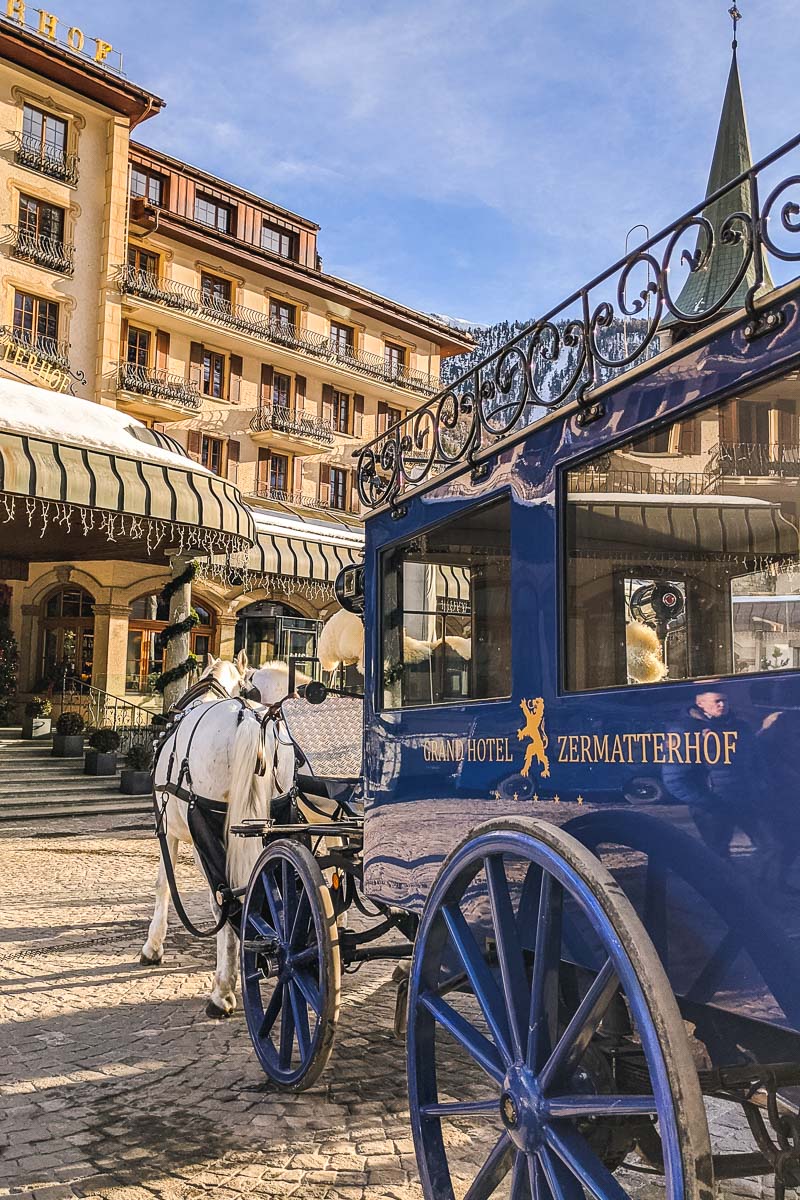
145 658
341 412
213 212
652 443
67 636
138 348
279 473
36 321
338 488
279 241
41 220
387 416
148 184
395 358
341 338
281 389
216 292
142 260
42 129
282 313
446 604
676 574
213 374
211 454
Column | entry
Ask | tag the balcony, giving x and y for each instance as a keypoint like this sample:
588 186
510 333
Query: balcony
265 491
764 460
158 385
277 418
650 483
47 349
36 155
48 252
251 323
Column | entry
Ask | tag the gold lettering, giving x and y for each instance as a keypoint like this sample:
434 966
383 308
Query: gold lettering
20 354
709 735
103 50
47 24
16 9
75 39
426 751
730 736
508 757
674 747
628 739
601 748
616 753
695 738
586 748
573 748
562 747
658 747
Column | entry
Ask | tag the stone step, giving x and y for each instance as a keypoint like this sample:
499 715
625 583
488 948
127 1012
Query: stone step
124 805
83 785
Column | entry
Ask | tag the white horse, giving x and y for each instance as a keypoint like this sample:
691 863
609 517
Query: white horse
222 759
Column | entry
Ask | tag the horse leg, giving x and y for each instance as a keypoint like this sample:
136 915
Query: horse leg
223 991
153 949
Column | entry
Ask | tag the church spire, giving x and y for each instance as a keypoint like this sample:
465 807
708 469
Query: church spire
731 157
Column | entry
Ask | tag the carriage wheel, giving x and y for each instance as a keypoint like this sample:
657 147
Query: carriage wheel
510 1067
291 970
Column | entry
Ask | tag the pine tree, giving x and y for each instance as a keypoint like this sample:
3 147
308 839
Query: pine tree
9 659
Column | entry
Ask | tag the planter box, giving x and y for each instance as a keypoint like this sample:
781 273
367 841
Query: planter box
33 727
100 764
68 745
135 783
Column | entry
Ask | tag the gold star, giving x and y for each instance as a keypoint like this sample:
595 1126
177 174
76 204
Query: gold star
556 799
580 799
516 797
536 797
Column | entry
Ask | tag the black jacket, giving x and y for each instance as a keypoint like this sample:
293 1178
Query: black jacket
706 785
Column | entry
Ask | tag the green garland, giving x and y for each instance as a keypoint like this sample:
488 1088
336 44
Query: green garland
174 585
177 673
177 629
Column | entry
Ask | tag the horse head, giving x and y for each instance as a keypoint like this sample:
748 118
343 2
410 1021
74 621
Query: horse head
230 676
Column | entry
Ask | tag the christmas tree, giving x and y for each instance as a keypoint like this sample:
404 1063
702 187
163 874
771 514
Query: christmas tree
9 658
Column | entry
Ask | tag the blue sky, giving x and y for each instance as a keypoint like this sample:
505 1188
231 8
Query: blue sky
479 158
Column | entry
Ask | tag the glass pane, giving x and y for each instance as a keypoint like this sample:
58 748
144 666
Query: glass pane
688 570
447 612
133 661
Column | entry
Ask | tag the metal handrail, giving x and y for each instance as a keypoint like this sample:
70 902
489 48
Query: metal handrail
50 349
284 420
652 483
756 458
265 491
249 321
158 383
565 356
41 156
103 710
50 252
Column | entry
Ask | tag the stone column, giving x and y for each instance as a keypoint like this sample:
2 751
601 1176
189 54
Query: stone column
227 637
28 640
177 649
110 647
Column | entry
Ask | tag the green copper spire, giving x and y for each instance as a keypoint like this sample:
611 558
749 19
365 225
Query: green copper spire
731 157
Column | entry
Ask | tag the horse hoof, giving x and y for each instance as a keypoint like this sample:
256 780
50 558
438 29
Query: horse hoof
216 1013
144 961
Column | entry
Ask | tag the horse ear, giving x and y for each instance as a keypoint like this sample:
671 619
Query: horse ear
211 661
241 661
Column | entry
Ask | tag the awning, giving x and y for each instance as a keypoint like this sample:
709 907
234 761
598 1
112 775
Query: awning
704 527
80 480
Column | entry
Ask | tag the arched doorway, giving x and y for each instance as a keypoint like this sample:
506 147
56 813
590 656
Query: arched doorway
67 636
269 630
145 657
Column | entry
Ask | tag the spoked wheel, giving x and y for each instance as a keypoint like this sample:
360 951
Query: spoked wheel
291 970
531 976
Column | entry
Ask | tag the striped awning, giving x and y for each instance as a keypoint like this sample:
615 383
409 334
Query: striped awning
305 548
81 480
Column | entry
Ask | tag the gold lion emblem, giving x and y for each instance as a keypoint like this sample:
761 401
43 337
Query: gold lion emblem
533 712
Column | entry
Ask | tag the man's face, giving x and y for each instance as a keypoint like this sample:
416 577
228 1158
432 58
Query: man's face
712 704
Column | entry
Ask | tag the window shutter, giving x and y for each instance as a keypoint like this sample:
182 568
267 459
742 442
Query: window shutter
325 484
263 469
358 415
787 423
728 422
123 340
266 383
327 403
299 392
196 364
194 444
689 438
162 349
233 459
235 381
355 504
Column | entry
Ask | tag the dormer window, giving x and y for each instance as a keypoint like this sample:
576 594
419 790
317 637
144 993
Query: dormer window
279 241
213 212
149 185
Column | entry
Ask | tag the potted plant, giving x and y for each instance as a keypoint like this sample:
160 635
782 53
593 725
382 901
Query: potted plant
101 759
36 719
68 737
136 778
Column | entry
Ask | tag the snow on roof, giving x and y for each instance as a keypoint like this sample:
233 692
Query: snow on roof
312 530
70 420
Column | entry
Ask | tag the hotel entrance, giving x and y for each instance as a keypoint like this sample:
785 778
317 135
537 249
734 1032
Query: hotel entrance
269 630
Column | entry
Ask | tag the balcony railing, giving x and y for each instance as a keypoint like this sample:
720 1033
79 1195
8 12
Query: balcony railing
265 491
40 156
49 349
158 384
280 419
249 321
48 252
658 483
762 459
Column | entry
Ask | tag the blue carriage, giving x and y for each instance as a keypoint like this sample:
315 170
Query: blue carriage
580 796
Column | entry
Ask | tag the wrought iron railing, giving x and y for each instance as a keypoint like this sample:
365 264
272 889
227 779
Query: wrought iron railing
561 357
757 459
49 252
48 349
159 384
281 419
651 483
41 156
265 491
102 710
252 323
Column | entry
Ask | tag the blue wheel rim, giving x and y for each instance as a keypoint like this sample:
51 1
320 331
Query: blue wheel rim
525 1055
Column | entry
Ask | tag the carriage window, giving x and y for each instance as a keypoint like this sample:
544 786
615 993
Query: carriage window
447 612
694 570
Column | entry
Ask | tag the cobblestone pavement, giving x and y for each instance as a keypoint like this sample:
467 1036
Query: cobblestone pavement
115 1083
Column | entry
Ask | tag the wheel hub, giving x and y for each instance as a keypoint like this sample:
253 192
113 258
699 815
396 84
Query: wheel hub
522 1109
